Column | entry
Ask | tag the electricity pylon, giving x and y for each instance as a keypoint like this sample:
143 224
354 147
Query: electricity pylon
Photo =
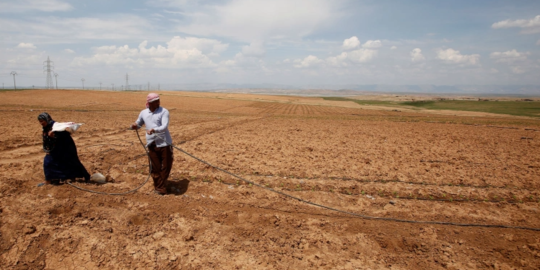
127 82
48 67
14 73
82 80
56 77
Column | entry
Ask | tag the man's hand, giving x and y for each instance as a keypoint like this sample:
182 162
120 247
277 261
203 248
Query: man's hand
150 132
134 126
51 134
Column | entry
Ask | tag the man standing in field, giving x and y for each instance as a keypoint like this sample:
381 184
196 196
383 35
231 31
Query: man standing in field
158 140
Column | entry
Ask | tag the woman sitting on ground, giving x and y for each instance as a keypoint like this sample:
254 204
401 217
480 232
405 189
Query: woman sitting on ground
61 161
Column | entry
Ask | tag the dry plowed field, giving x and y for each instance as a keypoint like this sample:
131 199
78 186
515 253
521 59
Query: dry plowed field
443 174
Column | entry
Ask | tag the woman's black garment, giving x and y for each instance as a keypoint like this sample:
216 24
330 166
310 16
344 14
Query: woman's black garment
62 160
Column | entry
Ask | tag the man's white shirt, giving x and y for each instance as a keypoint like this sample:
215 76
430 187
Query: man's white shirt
159 121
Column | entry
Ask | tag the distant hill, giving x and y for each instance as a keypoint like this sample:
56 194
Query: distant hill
351 90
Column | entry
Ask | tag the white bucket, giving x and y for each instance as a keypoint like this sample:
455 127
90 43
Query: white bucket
98 178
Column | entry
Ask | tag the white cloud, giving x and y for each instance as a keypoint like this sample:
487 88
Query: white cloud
454 57
353 57
23 45
351 43
509 56
416 55
393 48
372 44
528 26
179 53
69 51
58 29
255 49
206 46
309 61
244 62
39 5
352 54
518 70
249 20
362 55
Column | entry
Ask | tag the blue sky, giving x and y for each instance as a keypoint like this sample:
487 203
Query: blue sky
290 42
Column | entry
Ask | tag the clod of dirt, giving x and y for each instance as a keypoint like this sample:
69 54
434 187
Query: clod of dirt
29 229
158 235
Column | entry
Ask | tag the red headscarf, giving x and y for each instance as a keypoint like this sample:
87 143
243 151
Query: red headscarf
151 98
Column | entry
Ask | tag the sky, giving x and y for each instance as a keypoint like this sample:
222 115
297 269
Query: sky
277 42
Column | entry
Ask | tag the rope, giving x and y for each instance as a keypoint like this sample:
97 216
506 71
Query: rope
121 193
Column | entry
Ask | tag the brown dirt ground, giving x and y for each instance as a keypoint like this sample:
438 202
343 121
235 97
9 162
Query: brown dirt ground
407 165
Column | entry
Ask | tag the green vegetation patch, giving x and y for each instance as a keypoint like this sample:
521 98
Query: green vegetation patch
520 108
13 90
